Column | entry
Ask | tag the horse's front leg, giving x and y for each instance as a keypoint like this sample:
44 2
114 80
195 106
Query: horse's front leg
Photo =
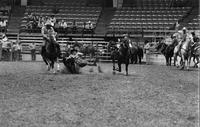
198 61
58 65
175 59
113 61
126 69
166 59
182 62
188 62
119 66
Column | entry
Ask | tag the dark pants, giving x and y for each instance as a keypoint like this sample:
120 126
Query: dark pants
33 55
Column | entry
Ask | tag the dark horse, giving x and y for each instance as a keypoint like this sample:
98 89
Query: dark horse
121 53
167 50
136 53
50 53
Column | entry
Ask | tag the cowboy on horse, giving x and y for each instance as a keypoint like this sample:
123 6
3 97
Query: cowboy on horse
183 36
195 41
47 32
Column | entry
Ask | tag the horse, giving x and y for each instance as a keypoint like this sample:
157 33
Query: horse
196 54
50 53
121 53
185 52
136 53
167 50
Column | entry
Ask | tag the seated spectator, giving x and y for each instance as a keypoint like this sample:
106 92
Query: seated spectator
3 25
30 17
1 22
65 25
53 20
40 24
89 26
57 26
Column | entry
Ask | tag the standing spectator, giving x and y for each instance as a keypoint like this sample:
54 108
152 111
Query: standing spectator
14 51
147 51
33 49
18 48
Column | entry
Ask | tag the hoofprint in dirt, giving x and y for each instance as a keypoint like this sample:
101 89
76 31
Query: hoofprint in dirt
152 96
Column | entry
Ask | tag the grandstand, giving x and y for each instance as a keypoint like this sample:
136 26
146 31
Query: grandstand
142 19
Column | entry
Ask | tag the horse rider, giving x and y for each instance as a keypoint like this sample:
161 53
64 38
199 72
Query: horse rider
195 41
47 31
183 36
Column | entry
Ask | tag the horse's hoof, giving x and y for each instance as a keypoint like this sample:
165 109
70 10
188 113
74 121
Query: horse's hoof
114 73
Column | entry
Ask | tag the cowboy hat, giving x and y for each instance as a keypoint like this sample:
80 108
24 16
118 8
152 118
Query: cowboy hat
184 28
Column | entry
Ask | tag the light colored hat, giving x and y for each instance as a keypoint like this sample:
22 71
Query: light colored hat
184 28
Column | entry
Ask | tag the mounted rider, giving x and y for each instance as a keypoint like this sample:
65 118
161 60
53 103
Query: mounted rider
48 31
196 41
182 36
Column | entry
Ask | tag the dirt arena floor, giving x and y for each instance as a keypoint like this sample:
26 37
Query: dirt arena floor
151 96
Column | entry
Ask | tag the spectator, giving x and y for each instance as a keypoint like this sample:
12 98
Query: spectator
53 20
147 51
57 26
33 51
14 51
18 48
89 26
64 26
40 23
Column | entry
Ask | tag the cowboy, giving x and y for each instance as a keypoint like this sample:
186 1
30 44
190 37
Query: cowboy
184 35
195 41
195 38
46 29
